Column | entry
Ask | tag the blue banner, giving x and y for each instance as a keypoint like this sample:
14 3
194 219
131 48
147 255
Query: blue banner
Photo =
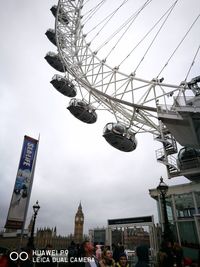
23 184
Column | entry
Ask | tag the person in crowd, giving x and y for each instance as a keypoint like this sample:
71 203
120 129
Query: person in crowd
87 252
187 262
123 261
4 260
107 259
46 260
198 263
72 252
117 250
98 252
166 255
142 253
28 262
178 254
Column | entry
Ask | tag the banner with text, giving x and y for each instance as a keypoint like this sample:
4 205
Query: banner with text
23 184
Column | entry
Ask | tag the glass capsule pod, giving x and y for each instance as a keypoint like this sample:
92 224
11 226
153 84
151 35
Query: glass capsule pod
82 110
188 158
63 85
120 137
51 35
54 60
63 18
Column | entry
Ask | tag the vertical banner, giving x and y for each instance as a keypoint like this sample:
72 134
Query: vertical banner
23 184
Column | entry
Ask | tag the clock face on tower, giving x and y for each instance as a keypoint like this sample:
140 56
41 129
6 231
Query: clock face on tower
79 219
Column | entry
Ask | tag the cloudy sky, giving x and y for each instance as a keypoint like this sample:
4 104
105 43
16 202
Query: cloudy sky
74 161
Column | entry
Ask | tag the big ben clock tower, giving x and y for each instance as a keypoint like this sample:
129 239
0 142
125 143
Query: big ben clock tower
78 226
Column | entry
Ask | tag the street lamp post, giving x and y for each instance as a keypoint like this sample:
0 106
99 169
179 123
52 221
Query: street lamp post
162 189
36 208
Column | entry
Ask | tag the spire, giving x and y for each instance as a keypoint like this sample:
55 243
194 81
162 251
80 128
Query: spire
55 231
79 212
80 206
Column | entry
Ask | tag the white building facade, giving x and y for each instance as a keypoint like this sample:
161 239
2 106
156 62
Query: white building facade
183 210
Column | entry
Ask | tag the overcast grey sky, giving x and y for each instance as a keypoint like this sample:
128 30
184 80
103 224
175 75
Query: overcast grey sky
74 161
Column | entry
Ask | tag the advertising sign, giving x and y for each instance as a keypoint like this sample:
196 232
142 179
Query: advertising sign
23 184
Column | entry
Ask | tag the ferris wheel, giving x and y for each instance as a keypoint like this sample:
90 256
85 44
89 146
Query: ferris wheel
90 37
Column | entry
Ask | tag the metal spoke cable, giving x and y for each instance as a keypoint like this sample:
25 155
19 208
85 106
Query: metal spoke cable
106 23
144 37
113 110
116 32
86 2
93 9
159 30
104 19
88 15
178 45
128 27
193 61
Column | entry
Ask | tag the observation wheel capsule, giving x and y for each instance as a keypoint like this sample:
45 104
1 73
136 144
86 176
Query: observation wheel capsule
62 16
63 85
82 111
120 137
189 158
51 35
54 61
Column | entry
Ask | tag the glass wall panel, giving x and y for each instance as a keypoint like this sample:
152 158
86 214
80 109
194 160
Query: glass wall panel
197 197
170 216
169 209
184 205
188 233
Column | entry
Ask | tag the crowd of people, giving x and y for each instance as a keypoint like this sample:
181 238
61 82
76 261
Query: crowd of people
106 256
171 254
98 256
88 255
85 255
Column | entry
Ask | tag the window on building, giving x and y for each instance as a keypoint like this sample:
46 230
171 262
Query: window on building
197 196
169 209
188 233
184 205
